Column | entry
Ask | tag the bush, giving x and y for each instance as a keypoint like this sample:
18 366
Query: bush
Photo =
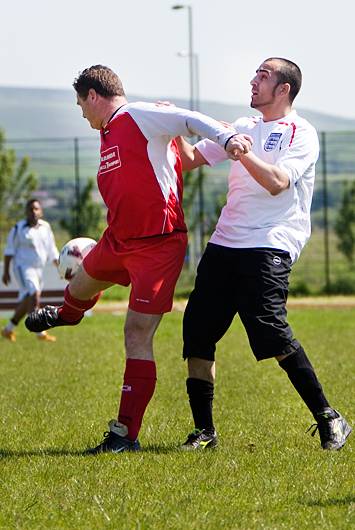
343 285
299 288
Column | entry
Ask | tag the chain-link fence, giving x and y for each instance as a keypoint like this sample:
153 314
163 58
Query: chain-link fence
63 167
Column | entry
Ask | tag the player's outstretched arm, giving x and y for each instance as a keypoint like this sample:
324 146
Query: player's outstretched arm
161 120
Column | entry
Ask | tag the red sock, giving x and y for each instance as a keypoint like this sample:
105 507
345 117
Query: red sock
73 309
137 390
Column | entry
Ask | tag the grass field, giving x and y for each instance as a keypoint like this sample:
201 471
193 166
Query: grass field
267 473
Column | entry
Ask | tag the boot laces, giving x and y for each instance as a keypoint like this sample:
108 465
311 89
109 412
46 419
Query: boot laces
194 435
107 437
324 429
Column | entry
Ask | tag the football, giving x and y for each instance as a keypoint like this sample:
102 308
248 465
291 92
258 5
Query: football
72 254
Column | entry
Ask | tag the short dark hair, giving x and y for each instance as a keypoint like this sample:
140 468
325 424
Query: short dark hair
288 72
31 201
102 79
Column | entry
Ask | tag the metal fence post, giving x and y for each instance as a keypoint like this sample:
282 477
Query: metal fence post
201 204
77 185
325 213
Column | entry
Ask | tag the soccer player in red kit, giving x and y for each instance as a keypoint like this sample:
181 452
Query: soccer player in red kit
144 244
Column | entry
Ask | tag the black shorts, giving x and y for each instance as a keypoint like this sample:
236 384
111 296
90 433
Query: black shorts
250 282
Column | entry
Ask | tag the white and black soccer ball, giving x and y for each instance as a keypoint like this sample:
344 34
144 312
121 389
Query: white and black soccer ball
72 254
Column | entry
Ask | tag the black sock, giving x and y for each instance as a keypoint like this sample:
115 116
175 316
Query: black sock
201 399
303 377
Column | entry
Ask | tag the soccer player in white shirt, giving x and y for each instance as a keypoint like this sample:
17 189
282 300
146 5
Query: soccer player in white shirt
30 244
259 235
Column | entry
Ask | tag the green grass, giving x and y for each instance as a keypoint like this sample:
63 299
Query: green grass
56 400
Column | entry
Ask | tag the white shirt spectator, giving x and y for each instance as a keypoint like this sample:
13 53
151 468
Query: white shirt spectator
31 246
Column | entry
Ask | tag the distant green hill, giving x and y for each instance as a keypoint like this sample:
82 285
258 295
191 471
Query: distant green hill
51 113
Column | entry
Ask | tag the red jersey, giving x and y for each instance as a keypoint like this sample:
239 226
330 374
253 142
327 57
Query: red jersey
140 176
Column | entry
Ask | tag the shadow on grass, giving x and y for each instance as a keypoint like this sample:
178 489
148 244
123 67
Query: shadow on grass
8 453
161 449
324 503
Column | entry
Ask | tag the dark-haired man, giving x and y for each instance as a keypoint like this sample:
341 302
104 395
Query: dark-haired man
144 245
259 235
30 244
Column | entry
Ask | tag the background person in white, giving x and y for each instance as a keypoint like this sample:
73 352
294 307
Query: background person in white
30 244
260 233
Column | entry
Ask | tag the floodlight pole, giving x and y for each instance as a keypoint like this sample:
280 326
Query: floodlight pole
190 51
195 105
200 174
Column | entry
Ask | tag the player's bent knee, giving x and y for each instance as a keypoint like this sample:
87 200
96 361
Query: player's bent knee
33 301
278 352
84 287
206 354
201 369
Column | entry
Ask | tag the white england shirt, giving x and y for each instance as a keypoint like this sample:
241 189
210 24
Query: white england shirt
31 246
252 217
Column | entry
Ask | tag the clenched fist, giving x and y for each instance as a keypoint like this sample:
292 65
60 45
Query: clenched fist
239 144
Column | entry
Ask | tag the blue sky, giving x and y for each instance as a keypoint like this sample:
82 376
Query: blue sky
45 44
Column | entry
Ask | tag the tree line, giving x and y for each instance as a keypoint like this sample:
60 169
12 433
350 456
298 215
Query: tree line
18 183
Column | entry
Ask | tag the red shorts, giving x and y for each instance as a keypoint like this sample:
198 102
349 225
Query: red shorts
151 265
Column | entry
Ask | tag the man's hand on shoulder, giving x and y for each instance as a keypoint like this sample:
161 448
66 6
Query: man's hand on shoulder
238 144
160 103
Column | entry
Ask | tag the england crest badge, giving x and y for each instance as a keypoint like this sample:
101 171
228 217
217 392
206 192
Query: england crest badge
272 141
